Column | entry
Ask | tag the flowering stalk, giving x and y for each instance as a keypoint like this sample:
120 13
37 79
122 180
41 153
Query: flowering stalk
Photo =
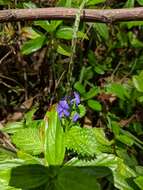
68 108
73 46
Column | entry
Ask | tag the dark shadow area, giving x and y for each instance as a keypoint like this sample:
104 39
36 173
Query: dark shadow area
38 177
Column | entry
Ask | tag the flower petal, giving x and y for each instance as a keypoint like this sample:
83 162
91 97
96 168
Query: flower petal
64 104
75 117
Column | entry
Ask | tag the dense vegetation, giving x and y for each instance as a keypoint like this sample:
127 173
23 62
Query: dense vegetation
71 101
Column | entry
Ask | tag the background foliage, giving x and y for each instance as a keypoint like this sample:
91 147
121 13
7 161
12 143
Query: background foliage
104 149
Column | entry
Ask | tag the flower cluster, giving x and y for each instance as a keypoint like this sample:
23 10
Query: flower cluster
65 106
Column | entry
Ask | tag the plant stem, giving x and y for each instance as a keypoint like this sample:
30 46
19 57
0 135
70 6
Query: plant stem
73 46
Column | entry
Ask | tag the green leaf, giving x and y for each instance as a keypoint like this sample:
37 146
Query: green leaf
67 33
64 50
91 93
5 154
77 178
79 87
95 105
82 110
28 176
33 45
28 32
29 5
49 27
130 3
9 164
28 140
100 137
138 81
4 2
134 40
87 142
125 139
139 182
54 138
28 158
118 90
102 30
12 127
94 2
140 2
120 171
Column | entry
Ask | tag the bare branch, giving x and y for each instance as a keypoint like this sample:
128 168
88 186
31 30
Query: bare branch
59 13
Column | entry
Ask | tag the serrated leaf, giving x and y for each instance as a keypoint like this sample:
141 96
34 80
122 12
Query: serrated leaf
54 138
85 142
28 140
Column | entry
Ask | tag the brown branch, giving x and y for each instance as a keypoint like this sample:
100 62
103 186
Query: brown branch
59 13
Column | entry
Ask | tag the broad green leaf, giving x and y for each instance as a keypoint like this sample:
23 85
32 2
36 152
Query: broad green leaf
64 50
94 2
28 140
33 45
95 105
79 87
102 30
28 176
76 178
120 171
138 81
67 33
54 138
139 182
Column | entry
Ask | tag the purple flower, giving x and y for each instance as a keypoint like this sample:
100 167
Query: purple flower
76 99
63 109
75 117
